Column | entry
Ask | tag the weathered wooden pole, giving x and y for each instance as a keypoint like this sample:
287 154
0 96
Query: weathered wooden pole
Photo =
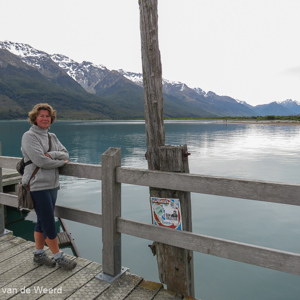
152 82
175 265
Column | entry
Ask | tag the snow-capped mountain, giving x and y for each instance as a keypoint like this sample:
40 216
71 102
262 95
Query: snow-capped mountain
292 105
200 91
47 65
167 84
137 78
22 86
34 58
87 74
244 103
22 50
123 87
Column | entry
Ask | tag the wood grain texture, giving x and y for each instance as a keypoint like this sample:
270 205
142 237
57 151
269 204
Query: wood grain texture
152 81
111 210
275 192
175 265
260 256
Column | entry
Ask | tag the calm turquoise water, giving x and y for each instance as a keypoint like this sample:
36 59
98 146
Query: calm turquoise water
263 152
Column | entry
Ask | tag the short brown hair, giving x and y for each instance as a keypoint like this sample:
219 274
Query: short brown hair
35 111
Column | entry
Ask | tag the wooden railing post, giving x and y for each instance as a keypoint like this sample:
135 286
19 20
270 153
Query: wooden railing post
111 210
2 218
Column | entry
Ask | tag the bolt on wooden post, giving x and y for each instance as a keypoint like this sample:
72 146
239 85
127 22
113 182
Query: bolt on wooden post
175 264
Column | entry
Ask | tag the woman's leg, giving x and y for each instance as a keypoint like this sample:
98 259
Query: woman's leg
39 241
51 236
53 245
44 204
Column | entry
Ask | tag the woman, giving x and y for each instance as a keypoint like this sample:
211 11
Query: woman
45 184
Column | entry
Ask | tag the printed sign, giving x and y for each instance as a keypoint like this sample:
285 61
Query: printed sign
166 212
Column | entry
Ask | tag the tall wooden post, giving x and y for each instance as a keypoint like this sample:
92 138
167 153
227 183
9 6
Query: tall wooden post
152 82
175 264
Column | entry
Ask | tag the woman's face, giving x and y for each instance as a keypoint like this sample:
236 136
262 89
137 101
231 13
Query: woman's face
43 120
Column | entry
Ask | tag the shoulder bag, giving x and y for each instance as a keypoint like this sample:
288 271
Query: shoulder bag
24 197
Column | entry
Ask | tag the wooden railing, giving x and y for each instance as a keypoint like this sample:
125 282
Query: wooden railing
113 225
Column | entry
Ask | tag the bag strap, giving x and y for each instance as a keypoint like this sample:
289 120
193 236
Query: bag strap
33 174
50 142
37 168
27 163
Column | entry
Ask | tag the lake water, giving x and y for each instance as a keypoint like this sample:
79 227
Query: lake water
248 151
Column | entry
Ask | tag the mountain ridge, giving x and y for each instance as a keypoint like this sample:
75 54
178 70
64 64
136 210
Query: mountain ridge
121 92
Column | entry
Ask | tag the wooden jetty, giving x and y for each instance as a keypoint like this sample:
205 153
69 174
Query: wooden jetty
21 278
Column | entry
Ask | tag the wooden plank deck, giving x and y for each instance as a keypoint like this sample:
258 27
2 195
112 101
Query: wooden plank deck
21 278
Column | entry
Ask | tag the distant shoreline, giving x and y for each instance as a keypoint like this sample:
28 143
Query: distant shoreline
211 120
266 122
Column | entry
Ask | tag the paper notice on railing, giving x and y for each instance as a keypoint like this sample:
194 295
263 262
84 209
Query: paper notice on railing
166 212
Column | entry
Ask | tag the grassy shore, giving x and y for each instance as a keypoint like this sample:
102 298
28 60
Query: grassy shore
285 120
272 120
269 122
288 120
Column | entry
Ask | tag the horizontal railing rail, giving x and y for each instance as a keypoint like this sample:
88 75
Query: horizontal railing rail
275 192
227 187
220 186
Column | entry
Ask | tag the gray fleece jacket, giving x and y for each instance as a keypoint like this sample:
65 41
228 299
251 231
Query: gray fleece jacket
35 144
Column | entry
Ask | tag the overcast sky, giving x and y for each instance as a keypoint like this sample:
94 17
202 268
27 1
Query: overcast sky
246 49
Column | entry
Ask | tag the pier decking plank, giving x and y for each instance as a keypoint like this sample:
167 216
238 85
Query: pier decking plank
16 272
67 281
16 250
91 290
146 290
121 288
16 261
21 278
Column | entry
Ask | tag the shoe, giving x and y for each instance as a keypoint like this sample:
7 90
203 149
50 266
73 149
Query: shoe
44 259
65 263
